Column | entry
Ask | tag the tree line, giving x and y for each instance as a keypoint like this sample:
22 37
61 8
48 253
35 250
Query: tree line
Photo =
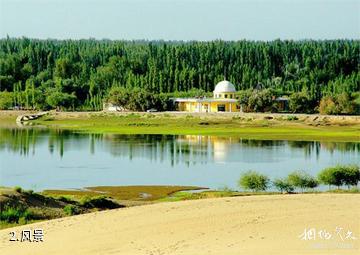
81 74
340 175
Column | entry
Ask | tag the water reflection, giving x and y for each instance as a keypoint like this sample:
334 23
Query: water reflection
37 158
188 149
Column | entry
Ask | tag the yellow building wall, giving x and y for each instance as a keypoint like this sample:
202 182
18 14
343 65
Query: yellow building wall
214 107
206 107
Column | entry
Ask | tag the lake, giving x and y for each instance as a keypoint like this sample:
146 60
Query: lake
36 158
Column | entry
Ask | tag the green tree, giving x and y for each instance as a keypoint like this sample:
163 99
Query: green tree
60 100
283 185
300 102
6 100
253 181
302 180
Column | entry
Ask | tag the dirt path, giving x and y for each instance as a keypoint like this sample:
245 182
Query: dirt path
241 225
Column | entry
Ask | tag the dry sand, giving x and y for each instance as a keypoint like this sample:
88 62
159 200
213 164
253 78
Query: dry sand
240 225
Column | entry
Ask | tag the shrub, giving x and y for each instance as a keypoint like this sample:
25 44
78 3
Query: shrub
283 185
340 175
6 100
260 101
339 104
254 181
302 180
65 199
291 118
15 214
98 202
300 102
18 189
351 175
71 210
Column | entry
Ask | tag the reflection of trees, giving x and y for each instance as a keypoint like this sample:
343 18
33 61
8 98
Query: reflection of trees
188 149
315 147
21 140
261 143
25 140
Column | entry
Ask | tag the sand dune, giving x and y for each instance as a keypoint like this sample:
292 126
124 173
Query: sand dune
240 225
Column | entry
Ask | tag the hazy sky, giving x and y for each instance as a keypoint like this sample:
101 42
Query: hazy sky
181 19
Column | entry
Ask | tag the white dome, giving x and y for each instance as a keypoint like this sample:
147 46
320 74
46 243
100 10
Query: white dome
224 87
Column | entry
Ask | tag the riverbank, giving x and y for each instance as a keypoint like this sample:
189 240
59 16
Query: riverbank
247 125
238 225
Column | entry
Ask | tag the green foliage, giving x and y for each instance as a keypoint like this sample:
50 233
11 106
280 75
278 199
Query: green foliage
88 69
291 118
18 189
260 101
71 210
283 185
138 99
58 99
339 104
340 175
302 180
6 100
300 102
15 214
253 181
101 202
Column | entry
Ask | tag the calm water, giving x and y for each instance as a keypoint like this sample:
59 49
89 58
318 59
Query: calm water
39 159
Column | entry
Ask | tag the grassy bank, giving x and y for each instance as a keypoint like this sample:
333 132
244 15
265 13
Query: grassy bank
259 126
19 207
254 126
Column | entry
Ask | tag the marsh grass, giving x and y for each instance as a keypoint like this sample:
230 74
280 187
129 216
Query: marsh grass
236 126
121 192
16 214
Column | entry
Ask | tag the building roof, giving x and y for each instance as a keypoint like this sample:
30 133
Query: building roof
205 100
224 87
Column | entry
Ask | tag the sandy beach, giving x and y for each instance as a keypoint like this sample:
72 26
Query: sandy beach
269 224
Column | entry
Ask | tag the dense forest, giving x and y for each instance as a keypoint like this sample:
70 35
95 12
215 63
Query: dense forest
82 74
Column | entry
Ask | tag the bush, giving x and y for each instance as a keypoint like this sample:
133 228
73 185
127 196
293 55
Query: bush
300 102
302 180
339 104
254 181
18 189
261 101
98 202
340 175
291 118
283 185
15 214
71 210
57 99
6 100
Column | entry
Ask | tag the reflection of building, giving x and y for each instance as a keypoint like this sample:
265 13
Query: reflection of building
223 100
218 147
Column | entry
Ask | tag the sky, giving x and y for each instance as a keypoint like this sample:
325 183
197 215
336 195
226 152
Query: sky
181 19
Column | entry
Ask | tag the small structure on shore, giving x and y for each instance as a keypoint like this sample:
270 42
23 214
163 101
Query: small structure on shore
109 107
30 116
223 100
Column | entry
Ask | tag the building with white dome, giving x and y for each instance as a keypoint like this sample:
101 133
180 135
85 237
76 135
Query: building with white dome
224 100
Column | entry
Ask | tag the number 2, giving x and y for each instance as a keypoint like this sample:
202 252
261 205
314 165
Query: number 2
13 236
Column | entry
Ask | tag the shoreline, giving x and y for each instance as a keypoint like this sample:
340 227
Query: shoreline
260 126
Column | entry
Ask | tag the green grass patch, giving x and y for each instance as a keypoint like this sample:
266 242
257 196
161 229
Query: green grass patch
236 126
145 193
